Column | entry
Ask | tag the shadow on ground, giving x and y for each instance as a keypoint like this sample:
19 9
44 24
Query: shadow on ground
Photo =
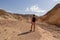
24 33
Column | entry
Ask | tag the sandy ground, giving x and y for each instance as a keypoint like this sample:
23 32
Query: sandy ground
16 30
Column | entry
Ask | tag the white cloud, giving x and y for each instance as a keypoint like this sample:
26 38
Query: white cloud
27 9
58 1
34 9
55 0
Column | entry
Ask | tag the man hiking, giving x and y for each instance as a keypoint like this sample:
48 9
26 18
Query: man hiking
33 20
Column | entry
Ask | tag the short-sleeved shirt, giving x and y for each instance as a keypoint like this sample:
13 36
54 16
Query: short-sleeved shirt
33 19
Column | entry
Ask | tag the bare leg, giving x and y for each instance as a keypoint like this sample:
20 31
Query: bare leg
34 27
31 27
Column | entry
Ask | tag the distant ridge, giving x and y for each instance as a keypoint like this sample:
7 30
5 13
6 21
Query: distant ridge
14 16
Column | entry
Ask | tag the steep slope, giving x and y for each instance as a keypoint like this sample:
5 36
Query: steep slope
53 16
5 15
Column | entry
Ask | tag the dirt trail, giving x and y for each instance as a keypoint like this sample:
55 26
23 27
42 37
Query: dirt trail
15 30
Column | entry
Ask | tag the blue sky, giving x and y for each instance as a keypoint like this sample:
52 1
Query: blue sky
38 7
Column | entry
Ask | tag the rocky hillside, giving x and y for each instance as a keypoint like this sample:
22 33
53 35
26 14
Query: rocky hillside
5 15
14 16
53 16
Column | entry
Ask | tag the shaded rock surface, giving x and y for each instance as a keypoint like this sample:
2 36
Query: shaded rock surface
53 16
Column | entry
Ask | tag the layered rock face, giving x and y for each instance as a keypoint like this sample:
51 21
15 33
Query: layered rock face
53 16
